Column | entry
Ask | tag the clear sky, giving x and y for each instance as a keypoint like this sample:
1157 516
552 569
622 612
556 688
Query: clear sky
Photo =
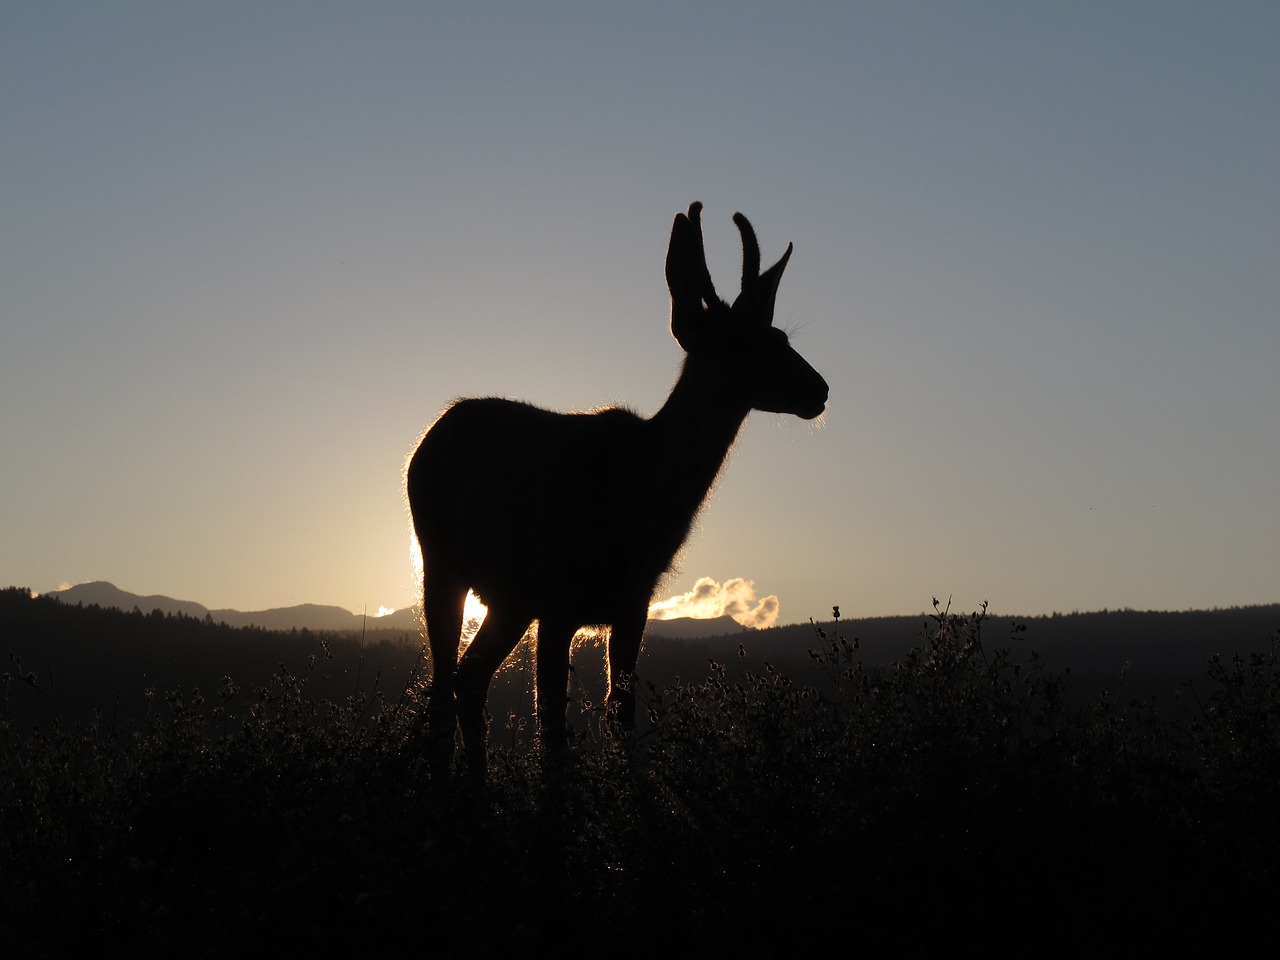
249 250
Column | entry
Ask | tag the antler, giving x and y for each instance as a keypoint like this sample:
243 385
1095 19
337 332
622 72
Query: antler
750 256
759 290
694 295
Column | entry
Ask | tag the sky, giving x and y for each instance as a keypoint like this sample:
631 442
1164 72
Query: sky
248 252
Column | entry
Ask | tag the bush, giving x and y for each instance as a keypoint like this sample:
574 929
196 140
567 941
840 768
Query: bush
955 795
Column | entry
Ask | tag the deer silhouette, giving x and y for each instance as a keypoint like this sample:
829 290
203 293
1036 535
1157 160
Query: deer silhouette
571 519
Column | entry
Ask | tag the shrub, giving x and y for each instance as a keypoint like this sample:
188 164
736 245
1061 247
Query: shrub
885 803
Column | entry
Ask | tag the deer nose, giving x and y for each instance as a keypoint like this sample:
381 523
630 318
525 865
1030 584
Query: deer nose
820 395
821 391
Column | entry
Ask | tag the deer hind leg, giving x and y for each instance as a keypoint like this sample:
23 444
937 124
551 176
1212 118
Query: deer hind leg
442 602
493 643
624 650
554 640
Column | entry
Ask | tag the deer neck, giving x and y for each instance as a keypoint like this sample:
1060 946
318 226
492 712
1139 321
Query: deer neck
696 428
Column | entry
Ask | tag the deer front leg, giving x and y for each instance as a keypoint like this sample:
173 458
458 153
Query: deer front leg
493 643
554 640
624 650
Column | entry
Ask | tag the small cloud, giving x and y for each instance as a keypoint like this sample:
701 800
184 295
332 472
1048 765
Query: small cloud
709 598
385 611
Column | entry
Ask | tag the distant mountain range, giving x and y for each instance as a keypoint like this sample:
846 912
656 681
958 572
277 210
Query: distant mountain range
315 616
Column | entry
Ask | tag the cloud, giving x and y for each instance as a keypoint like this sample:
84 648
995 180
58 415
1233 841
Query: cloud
708 598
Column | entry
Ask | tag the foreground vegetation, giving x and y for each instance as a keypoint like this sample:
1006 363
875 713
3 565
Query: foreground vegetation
956 795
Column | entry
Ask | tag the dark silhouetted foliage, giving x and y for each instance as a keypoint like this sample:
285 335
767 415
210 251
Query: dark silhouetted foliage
953 796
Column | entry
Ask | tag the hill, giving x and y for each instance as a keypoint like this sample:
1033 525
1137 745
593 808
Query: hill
106 655
1106 641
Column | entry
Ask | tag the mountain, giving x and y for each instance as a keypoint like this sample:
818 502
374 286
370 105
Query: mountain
313 616
109 595
310 616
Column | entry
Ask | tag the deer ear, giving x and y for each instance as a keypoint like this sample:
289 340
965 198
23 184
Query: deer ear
768 289
678 279
687 277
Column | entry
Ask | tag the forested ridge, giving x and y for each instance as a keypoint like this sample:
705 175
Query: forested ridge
80 659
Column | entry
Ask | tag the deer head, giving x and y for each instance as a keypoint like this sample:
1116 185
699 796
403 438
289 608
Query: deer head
748 360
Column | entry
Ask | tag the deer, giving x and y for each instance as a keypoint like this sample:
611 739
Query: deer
571 520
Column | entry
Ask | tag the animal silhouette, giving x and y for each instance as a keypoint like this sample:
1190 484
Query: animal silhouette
571 519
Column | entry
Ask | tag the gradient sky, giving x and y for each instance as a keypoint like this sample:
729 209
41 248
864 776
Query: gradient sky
249 250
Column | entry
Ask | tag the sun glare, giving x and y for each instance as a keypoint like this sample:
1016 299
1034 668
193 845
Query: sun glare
415 558
473 614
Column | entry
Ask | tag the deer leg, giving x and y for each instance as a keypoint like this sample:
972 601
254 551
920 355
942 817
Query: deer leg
442 602
493 643
624 651
553 682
